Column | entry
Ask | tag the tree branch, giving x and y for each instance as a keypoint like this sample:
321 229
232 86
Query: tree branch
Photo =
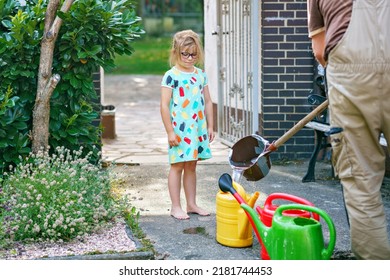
58 21
46 82
50 86
50 15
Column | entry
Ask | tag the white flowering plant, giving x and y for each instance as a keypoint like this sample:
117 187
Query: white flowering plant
56 197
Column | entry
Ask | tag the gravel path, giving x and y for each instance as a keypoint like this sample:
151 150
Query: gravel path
111 239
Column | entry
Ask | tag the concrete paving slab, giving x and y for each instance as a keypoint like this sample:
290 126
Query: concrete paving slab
196 238
140 148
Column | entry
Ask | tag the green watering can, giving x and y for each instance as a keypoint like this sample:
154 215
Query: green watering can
295 238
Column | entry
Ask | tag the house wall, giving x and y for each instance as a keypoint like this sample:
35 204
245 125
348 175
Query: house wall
286 71
211 50
287 75
211 47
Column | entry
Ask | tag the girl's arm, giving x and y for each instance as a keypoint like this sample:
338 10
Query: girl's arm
209 113
166 95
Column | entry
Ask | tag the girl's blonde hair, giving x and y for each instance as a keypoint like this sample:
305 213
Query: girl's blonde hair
183 40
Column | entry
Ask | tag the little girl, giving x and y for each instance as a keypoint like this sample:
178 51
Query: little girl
187 114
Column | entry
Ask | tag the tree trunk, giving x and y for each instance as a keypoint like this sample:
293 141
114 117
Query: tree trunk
46 81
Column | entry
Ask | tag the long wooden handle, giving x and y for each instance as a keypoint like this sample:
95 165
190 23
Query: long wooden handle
300 124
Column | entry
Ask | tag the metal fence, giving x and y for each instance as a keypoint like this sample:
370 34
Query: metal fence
238 106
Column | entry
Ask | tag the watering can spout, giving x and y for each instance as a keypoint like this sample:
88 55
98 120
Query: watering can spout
243 219
252 200
260 229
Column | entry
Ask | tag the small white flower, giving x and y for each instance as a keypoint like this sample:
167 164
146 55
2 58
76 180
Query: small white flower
36 228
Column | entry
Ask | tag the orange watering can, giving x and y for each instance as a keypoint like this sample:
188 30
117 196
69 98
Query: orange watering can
295 238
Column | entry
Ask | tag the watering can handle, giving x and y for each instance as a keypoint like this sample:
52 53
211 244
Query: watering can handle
327 252
288 197
297 127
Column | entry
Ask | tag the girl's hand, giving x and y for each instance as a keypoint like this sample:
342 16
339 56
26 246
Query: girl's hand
211 135
172 139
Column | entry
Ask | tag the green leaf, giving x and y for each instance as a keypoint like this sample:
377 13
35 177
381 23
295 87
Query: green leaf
74 82
95 49
3 143
54 124
6 23
19 125
74 131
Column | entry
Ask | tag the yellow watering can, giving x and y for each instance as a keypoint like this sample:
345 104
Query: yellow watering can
233 226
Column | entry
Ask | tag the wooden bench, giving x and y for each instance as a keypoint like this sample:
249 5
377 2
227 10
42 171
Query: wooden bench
320 129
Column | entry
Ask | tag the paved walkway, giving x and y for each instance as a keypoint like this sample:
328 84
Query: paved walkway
140 134
140 145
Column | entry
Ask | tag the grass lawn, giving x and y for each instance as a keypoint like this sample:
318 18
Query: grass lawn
150 57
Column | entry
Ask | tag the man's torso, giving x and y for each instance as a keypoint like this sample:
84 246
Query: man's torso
331 15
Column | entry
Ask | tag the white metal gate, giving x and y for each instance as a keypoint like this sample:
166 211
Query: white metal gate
238 69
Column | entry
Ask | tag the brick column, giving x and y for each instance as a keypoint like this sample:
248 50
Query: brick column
287 75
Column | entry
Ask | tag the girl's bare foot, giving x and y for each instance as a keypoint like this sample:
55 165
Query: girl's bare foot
179 214
197 210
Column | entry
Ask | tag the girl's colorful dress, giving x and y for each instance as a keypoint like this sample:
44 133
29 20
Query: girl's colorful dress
188 117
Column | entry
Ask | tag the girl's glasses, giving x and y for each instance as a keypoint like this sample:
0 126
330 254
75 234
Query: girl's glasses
187 55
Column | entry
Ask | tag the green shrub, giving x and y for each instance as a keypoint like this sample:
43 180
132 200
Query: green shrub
92 34
55 198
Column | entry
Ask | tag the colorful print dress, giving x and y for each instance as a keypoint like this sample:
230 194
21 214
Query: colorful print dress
188 117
